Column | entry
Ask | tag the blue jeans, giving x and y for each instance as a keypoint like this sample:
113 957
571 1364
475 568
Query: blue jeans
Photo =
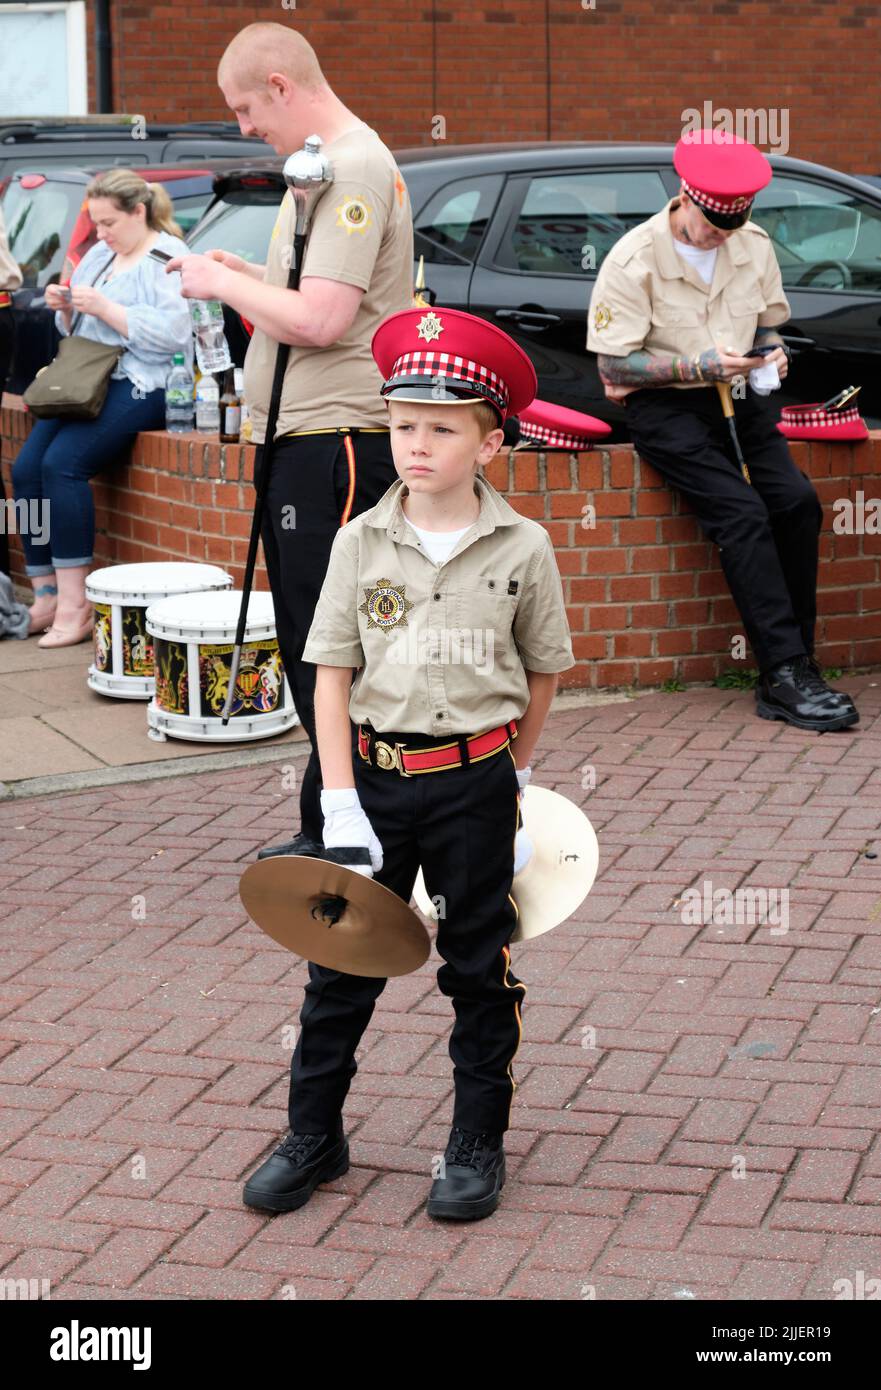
52 471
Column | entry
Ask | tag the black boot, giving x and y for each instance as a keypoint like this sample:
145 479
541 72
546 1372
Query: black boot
474 1167
300 844
796 692
291 1174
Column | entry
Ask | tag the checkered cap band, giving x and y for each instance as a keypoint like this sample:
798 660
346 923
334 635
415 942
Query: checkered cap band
461 370
807 415
554 439
707 200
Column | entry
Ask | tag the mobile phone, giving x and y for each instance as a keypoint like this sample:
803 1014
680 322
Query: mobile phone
65 292
762 350
160 256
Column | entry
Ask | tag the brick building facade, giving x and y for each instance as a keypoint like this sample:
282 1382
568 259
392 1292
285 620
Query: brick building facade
538 69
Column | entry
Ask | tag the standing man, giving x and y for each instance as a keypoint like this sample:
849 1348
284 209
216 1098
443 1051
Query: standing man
10 279
679 302
332 459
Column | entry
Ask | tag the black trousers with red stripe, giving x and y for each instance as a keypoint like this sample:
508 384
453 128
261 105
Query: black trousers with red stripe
318 483
460 826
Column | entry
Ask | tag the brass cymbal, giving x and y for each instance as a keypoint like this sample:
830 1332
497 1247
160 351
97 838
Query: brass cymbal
560 873
295 900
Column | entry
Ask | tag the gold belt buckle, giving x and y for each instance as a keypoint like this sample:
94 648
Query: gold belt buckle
388 758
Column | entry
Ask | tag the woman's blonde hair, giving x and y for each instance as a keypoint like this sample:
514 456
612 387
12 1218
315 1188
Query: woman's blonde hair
126 189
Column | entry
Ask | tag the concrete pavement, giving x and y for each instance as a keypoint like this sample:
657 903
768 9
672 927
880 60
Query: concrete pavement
698 1102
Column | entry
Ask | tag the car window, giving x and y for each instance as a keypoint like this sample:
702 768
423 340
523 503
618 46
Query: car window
451 226
242 222
187 211
824 238
35 219
567 222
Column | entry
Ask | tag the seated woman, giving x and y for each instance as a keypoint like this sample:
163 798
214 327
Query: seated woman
120 296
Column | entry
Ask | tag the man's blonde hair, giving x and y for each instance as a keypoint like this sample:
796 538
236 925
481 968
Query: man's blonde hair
262 48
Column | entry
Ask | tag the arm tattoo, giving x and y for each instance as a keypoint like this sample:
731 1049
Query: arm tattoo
657 368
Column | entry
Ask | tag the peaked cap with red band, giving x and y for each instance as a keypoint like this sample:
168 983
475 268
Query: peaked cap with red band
556 427
722 174
444 357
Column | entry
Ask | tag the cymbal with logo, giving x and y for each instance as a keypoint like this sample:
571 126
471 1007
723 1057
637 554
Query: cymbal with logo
560 873
334 916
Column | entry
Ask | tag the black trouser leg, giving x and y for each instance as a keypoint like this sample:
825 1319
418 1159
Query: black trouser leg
317 482
338 1007
767 533
794 508
467 828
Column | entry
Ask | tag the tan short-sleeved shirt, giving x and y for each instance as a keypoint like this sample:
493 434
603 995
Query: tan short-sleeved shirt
10 274
361 234
442 649
647 298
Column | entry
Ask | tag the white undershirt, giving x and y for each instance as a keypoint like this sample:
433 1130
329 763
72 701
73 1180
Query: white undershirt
703 261
439 545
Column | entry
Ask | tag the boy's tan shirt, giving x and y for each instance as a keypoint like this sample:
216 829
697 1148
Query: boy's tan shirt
441 649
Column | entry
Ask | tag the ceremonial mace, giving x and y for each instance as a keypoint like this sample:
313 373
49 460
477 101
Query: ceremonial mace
308 175
724 389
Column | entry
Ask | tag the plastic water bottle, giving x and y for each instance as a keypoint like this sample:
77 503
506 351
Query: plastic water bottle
208 405
212 350
178 397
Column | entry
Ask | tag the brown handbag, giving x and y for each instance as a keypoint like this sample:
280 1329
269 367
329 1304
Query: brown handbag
75 383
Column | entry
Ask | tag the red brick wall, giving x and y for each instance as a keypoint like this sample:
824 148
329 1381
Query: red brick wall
625 70
646 597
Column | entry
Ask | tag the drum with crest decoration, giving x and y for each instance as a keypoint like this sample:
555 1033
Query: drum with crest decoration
123 661
193 637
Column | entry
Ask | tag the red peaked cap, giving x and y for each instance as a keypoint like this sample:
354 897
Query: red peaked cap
721 172
559 428
443 357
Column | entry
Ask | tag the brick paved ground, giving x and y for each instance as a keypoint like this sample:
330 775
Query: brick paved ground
143 1068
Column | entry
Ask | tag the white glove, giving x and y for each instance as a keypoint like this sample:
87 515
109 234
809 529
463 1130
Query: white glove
523 850
523 846
523 776
346 825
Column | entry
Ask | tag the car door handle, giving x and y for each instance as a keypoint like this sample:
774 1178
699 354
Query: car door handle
529 316
794 340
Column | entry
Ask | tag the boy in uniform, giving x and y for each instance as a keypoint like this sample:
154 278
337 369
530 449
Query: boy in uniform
448 607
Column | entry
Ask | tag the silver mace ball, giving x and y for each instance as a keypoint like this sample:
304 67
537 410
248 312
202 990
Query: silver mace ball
307 173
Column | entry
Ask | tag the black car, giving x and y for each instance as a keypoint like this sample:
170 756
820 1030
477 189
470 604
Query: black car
516 234
104 141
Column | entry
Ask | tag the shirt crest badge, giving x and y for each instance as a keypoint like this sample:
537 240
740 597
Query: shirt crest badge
353 215
429 328
602 317
385 605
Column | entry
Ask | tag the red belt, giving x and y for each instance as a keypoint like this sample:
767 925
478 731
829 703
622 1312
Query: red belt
5 299
460 753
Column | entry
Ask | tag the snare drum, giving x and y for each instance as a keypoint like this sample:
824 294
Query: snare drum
123 664
193 637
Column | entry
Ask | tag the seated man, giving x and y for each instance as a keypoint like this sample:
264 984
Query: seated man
679 303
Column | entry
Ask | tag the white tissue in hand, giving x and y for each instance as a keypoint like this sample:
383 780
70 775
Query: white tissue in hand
764 379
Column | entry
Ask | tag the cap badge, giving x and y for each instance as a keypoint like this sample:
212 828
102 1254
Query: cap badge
429 328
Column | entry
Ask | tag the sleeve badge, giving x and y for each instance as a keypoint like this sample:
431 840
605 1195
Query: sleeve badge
602 317
353 215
